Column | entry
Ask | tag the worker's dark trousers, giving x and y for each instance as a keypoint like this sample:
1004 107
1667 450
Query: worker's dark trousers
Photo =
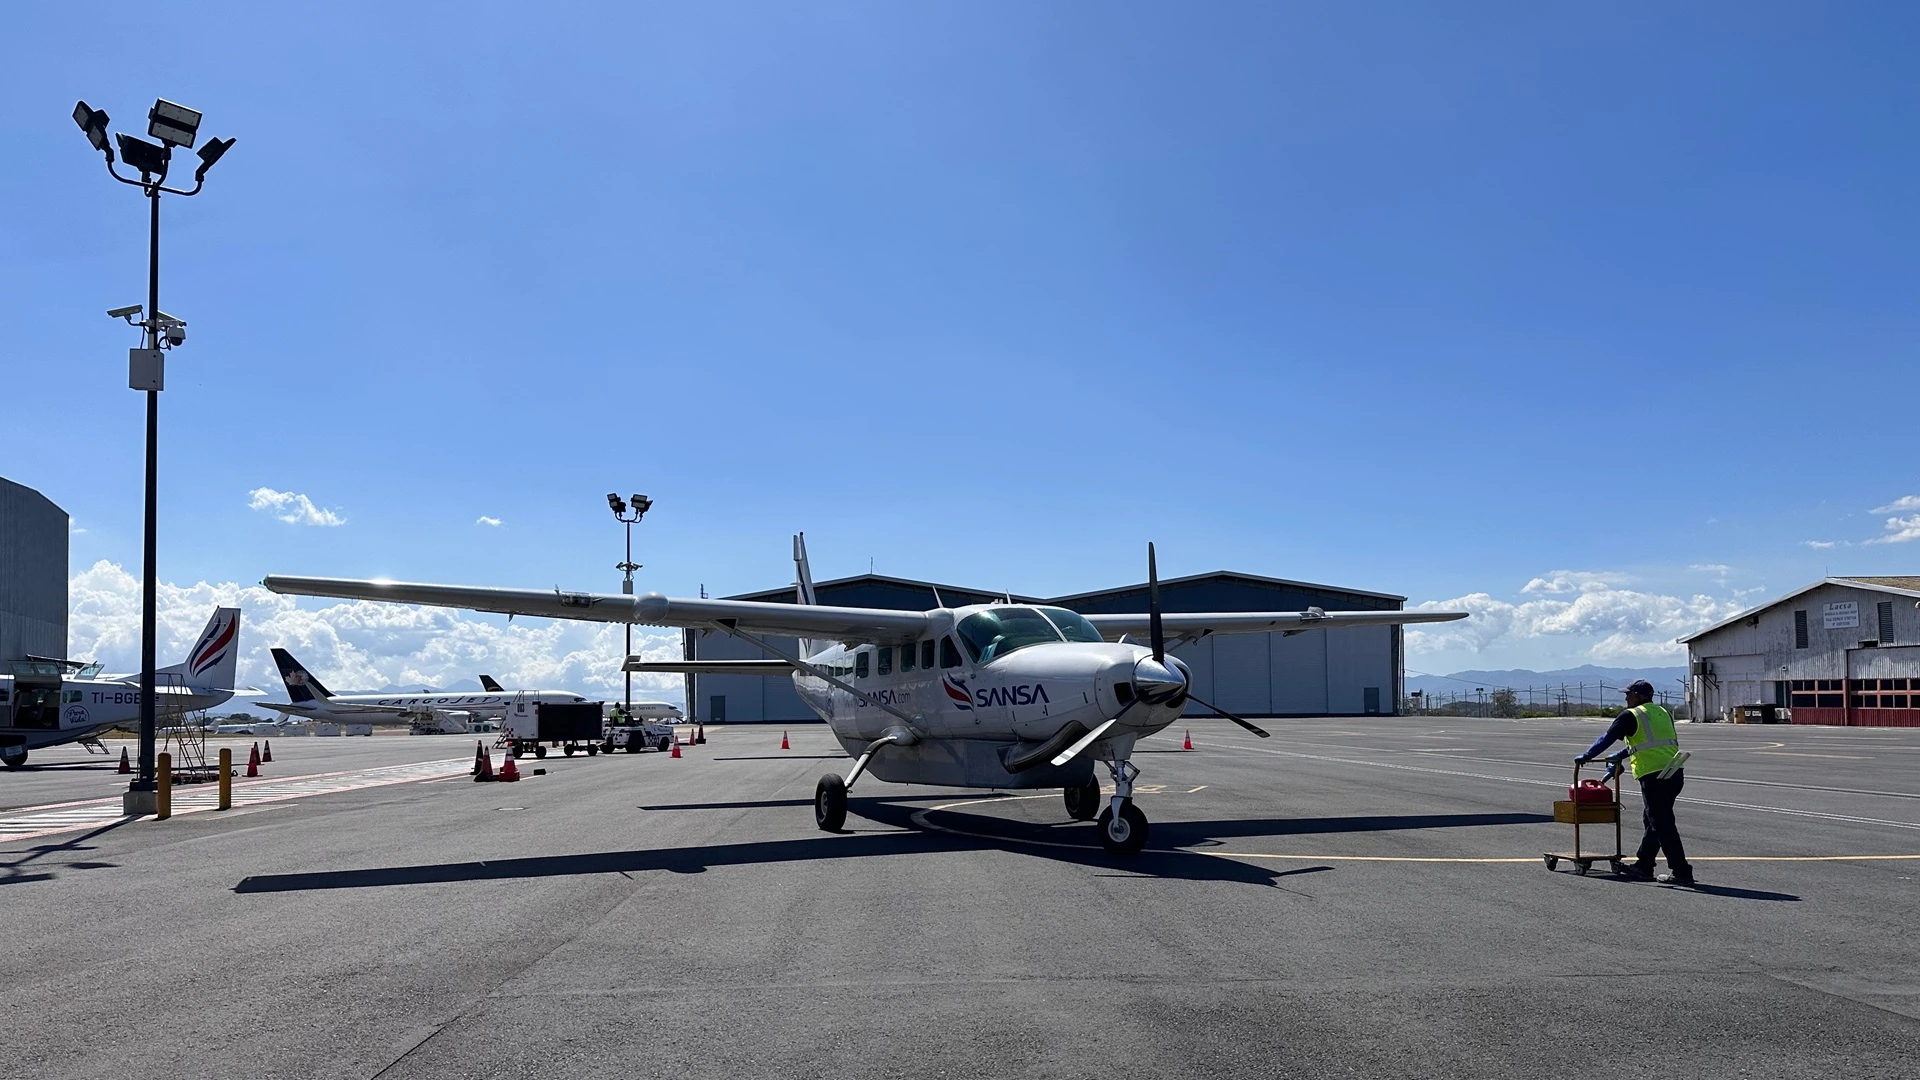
1657 796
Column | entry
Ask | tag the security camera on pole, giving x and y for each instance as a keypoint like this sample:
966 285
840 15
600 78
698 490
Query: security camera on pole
174 126
641 504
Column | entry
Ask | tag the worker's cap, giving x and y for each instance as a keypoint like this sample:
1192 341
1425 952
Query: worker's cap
1639 686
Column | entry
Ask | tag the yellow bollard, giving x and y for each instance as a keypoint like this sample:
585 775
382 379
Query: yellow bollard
163 785
226 778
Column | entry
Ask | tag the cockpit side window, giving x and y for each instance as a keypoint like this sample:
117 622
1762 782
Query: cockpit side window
999 631
1072 625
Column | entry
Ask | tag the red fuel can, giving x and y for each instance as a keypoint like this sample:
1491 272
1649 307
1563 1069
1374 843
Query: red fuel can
1590 791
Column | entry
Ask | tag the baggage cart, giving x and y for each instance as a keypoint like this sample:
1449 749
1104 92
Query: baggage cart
1580 811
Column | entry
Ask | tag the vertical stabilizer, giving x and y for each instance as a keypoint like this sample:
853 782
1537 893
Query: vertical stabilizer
302 687
491 687
215 655
803 587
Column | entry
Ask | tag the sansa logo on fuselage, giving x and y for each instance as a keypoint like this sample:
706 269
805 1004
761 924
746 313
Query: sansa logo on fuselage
987 697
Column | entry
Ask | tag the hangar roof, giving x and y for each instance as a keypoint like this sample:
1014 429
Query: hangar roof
1899 586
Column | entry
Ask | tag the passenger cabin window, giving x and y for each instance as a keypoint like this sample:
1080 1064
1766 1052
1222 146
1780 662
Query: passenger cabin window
860 665
926 655
949 653
998 631
883 660
906 657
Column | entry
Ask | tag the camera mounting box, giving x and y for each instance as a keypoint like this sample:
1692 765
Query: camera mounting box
146 369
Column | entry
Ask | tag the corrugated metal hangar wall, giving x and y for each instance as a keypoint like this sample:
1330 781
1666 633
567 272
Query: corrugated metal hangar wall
33 574
1348 672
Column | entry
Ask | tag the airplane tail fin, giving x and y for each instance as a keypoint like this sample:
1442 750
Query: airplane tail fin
302 687
215 656
491 687
803 585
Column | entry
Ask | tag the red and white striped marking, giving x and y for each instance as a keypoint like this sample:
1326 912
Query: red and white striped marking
33 821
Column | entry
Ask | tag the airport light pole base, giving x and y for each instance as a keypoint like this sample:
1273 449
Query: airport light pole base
140 803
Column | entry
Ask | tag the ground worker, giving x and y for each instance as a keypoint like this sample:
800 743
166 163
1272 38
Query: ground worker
1652 746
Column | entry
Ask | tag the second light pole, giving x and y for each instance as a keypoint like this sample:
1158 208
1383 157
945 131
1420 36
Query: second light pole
630 513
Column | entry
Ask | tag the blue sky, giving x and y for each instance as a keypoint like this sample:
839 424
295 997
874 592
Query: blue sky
1443 300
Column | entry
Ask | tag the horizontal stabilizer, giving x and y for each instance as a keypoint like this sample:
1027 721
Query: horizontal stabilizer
711 667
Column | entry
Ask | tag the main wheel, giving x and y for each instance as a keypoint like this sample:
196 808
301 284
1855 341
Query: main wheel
1083 801
1125 834
830 803
13 759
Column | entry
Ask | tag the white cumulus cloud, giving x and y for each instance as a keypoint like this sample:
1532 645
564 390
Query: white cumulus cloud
1819 545
1899 530
1622 625
292 508
1902 505
489 522
362 645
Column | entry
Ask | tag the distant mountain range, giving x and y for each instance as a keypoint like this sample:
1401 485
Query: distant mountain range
1665 679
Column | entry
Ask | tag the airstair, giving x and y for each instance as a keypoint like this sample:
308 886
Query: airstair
186 738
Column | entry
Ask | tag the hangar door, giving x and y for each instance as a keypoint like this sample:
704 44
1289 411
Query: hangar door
1736 680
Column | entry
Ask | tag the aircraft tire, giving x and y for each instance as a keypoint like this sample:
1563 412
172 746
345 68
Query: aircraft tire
830 803
1125 835
14 759
1083 802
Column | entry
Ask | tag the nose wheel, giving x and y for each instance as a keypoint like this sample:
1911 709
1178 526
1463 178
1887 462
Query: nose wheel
1124 833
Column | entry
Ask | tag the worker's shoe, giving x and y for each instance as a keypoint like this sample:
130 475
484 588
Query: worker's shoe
1637 872
1676 877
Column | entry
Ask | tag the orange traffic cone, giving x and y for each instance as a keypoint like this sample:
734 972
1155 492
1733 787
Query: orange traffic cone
126 766
676 746
509 772
483 765
253 761
1189 743
266 752
783 742
700 734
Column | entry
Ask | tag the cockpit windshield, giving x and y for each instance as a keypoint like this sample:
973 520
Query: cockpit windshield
999 631
1072 626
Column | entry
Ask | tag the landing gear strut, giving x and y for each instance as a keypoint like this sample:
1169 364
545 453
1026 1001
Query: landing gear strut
1123 828
1083 802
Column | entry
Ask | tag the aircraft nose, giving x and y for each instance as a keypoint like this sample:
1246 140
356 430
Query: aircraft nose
1160 682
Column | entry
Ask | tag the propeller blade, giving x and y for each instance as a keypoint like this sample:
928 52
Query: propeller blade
1157 636
1228 715
1086 740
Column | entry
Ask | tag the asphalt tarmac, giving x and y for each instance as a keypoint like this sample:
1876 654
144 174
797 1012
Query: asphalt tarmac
1349 898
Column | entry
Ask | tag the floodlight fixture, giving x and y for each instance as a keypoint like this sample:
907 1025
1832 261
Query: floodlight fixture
642 504
209 154
94 122
143 155
175 125
614 502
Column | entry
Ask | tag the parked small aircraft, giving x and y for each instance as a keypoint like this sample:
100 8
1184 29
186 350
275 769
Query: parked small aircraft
981 696
309 699
49 702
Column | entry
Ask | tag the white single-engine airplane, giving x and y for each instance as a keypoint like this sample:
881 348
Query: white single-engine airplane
41 706
981 696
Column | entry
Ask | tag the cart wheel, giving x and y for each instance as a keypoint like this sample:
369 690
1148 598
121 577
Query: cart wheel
593 748
539 751
1581 868
1552 863
567 749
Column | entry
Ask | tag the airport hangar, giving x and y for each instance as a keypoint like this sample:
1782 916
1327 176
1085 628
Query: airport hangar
33 574
1353 671
1843 650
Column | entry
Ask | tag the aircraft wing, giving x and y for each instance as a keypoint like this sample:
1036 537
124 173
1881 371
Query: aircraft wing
711 667
1190 624
312 708
653 609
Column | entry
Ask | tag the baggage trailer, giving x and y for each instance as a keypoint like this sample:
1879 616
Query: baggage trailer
1591 803
531 727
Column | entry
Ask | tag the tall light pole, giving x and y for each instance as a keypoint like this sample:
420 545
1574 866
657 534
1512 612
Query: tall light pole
638 509
174 125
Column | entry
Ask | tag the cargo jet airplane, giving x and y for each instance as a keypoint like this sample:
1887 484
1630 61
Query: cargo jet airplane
980 696
41 706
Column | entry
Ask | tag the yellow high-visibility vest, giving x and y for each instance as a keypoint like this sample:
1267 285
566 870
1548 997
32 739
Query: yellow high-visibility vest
1653 742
